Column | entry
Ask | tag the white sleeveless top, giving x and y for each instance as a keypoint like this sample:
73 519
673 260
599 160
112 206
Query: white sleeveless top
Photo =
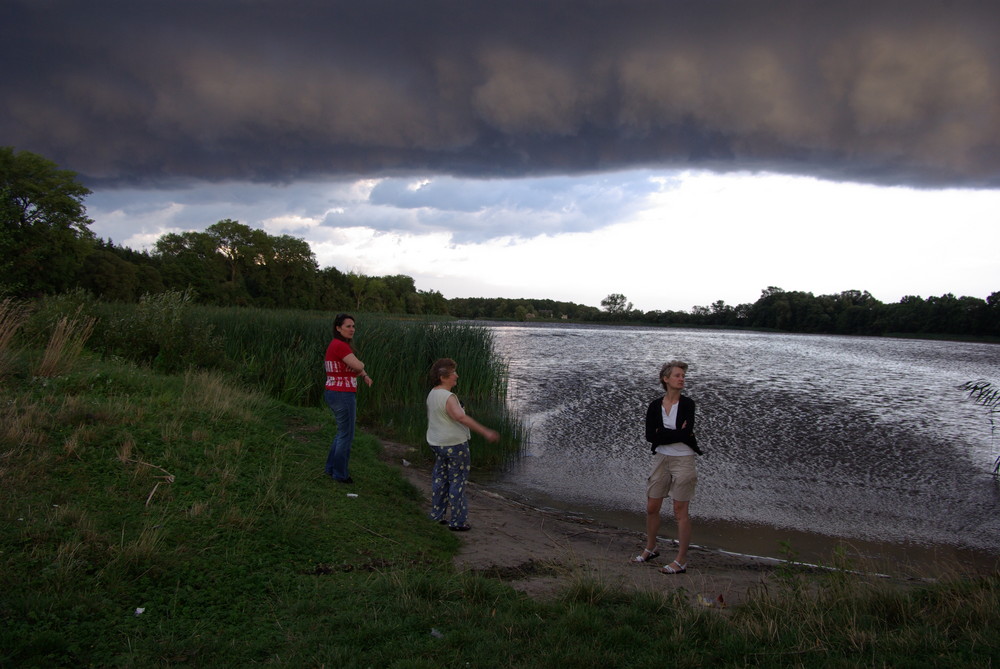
442 429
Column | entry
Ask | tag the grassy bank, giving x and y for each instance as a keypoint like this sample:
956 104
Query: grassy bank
181 519
280 353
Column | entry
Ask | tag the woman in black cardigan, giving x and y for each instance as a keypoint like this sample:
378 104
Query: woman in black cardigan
670 432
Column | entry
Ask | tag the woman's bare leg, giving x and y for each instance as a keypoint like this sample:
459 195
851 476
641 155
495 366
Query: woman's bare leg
683 530
653 505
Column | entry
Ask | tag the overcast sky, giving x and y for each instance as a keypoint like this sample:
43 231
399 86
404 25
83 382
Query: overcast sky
679 152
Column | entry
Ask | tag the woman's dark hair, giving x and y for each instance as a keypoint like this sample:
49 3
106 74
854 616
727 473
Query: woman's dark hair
337 322
441 368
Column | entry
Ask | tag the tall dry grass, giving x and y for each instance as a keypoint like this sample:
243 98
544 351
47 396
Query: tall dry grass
13 315
65 345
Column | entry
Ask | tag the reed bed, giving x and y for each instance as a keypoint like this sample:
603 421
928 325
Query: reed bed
399 355
280 352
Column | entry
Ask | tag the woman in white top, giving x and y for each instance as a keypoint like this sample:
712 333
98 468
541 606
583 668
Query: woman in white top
670 432
448 431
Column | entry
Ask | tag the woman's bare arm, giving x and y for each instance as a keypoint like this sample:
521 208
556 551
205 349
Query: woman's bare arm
457 414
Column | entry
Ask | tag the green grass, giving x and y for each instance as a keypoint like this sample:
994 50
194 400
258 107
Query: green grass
280 353
200 499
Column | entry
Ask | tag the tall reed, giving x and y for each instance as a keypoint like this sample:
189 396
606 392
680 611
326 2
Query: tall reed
282 353
13 315
398 356
65 345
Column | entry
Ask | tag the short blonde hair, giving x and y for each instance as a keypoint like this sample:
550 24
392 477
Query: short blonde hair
668 368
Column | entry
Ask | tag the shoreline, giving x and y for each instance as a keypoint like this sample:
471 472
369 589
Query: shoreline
763 542
542 551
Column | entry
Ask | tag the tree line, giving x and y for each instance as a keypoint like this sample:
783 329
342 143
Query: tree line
232 264
851 312
47 247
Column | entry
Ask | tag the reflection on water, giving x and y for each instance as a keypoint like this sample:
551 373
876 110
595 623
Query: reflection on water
863 439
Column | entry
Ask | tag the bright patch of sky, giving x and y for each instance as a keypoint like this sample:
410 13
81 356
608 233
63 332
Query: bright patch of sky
668 240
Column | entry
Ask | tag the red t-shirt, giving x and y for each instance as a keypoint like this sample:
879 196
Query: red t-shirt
338 375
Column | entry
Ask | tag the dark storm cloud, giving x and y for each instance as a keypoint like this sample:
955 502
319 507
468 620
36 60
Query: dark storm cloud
130 92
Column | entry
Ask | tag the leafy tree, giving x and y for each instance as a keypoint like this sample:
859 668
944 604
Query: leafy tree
433 301
44 229
233 264
239 245
358 284
294 272
616 304
189 260
334 291
909 315
379 297
107 275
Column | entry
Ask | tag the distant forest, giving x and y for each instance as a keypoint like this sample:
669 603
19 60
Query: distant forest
231 264
46 247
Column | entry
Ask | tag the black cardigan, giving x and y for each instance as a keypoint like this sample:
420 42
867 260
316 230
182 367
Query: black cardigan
658 435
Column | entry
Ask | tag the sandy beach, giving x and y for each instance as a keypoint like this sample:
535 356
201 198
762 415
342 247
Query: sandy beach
539 551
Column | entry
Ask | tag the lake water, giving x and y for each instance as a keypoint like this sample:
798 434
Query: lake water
811 441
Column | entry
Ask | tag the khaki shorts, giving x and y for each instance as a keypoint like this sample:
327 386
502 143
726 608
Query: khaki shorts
673 476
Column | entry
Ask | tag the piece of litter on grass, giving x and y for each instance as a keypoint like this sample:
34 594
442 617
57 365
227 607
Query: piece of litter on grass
352 494
718 602
139 611
436 634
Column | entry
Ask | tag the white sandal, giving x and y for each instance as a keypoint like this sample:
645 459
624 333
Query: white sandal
645 556
670 569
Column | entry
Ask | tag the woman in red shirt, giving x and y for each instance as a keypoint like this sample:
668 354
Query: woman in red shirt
342 372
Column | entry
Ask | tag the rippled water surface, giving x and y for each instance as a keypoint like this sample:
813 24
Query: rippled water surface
815 436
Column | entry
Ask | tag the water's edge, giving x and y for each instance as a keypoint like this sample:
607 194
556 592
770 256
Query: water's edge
767 542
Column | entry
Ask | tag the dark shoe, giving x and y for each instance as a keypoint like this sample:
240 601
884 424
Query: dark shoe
459 528
347 480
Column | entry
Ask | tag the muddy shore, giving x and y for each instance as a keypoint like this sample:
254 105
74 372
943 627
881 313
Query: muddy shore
540 551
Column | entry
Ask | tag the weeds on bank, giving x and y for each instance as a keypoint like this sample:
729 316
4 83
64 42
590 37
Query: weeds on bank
281 354
155 520
104 511
65 345
13 315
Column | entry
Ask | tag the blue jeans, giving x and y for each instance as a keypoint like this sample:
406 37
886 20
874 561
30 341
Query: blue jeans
448 478
345 410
